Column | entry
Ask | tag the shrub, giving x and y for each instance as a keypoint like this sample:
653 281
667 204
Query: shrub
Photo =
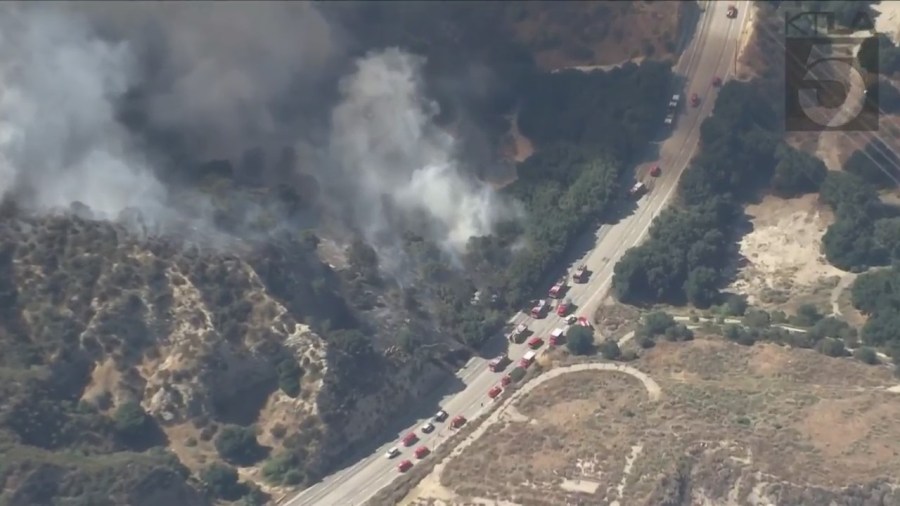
238 445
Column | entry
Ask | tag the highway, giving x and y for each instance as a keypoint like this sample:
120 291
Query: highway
711 53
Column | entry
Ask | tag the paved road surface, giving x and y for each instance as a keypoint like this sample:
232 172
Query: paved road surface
711 53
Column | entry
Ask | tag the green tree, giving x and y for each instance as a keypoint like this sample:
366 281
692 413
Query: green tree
222 480
756 318
807 315
888 96
679 332
610 349
289 374
657 322
701 287
580 340
797 173
832 347
736 305
131 421
866 355
238 445
875 163
254 497
887 236
283 469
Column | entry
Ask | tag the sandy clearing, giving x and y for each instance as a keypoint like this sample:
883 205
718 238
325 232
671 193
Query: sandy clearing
888 20
783 250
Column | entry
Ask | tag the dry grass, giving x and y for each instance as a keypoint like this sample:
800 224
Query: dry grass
791 414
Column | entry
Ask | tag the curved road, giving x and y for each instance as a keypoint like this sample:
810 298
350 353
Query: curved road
711 53
654 392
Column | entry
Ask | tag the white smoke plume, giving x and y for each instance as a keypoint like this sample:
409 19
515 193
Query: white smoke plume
218 72
394 158
218 76
59 139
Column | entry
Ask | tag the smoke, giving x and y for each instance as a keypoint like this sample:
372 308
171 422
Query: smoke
392 160
219 74
223 78
59 139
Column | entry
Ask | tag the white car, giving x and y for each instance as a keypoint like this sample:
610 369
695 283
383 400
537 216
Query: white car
428 428
393 452
571 319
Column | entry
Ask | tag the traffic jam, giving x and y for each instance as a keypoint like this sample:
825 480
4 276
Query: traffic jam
540 309
412 438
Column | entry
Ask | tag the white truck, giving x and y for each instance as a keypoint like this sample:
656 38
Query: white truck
638 189
673 108
518 333
527 359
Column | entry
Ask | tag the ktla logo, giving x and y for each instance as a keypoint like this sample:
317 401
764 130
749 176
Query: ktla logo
826 87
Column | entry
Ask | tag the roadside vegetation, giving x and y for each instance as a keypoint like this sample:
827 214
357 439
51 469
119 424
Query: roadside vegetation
686 255
808 328
566 187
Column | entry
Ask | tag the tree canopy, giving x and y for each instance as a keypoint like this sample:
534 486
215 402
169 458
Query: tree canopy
580 340
238 445
865 232
685 255
877 294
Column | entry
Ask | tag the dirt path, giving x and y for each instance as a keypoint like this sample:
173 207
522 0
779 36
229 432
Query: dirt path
843 284
430 486
738 321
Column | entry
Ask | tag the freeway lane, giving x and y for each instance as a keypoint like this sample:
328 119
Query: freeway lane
710 54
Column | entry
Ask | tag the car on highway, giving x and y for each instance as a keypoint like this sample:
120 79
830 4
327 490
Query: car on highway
717 81
557 336
458 421
535 343
410 439
506 380
404 466
539 309
732 12
655 171
393 452
499 364
571 319
440 416
581 274
422 452
428 428
673 104
518 333
583 322
695 100
527 359
494 391
564 308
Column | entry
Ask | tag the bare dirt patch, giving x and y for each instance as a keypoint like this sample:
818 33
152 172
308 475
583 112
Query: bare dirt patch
784 264
762 411
568 34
